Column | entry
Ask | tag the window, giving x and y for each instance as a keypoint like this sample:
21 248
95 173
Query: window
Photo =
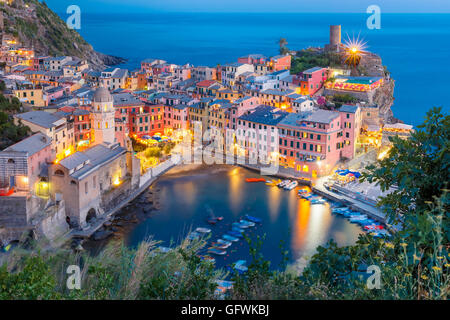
59 173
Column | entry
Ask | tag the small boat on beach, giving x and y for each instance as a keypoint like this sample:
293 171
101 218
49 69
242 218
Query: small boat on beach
301 191
203 230
217 251
230 238
253 219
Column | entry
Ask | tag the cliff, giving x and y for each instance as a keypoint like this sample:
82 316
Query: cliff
37 26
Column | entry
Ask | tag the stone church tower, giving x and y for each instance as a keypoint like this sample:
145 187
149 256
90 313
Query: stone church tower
102 123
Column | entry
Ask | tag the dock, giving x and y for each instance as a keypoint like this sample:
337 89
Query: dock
349 201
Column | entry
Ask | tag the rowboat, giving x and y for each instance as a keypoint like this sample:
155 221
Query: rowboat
235 229
230 238
207 258
228 243
203 230
247 223
217 251
239 225
240 266
253 219
235 234
220 245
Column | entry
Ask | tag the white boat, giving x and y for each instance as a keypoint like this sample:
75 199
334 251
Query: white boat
291 185
284 183
318 201
358 218
203 230
247 223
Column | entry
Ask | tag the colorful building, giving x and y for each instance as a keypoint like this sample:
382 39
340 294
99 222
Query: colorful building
312 80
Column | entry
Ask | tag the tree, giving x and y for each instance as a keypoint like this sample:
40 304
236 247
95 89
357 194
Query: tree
418 168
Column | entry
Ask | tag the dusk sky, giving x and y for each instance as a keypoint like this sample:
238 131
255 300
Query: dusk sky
252 5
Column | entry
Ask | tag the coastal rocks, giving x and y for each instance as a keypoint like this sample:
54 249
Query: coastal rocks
102 235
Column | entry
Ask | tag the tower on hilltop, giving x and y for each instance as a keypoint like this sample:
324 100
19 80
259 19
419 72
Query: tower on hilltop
335 39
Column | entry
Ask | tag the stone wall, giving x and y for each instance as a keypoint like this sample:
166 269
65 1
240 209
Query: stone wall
13 212
53 223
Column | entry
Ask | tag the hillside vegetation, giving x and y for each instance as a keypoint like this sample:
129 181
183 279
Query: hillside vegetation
35 25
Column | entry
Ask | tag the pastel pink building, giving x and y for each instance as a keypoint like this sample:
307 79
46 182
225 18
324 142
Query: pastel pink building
240 107
24 164
312 80
314 142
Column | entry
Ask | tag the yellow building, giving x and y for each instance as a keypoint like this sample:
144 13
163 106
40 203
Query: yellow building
33 96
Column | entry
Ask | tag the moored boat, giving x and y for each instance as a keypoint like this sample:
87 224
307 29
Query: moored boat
221 241
291 185
284 183
253 219
203 230
217 251
235 234
239 225
220 245
247 223
230 238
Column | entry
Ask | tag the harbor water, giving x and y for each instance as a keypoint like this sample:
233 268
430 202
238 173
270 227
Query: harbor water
187 197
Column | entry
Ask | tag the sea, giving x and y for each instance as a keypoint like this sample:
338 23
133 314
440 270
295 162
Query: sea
414 47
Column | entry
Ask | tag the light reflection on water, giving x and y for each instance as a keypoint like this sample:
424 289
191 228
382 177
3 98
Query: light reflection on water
186 200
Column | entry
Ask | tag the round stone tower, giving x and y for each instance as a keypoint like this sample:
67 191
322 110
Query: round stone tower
335 35
103 113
